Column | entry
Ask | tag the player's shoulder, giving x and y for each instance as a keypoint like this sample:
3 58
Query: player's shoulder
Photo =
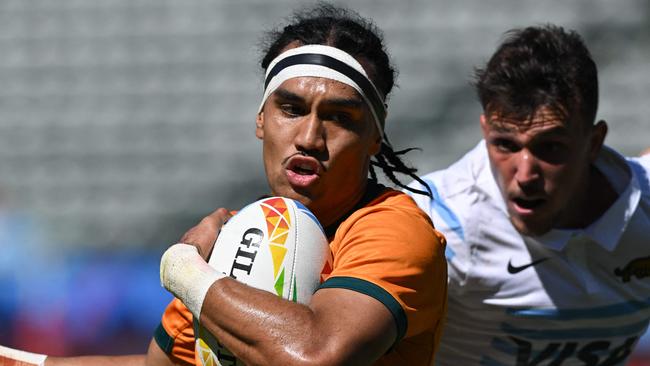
396 204
390 223
640 165
643 163
458 178
391 209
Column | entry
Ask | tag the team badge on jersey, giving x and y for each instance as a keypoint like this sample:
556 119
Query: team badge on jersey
639 268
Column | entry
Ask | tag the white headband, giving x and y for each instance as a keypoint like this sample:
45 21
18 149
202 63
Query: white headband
326 62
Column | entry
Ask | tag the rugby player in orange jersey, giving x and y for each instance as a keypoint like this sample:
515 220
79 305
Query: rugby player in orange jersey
321 123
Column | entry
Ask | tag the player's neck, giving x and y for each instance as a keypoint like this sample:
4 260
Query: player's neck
333 213
596 199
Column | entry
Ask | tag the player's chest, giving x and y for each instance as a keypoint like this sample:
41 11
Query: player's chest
515 269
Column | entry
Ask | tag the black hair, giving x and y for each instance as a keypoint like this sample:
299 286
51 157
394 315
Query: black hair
542 66
346 30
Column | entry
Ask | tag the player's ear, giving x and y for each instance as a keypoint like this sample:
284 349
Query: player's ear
376 144
259 125
484 125
598 133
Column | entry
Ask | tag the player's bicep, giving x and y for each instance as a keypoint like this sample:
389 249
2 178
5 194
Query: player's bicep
359 327
157 357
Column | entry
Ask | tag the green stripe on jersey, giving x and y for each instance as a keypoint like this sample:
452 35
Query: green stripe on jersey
376 292
164 340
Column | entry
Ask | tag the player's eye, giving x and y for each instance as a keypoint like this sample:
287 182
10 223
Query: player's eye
291 110
552 147
553 152
505 145
338 117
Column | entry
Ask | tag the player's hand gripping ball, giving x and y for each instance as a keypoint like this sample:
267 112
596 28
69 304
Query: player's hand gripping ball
275 244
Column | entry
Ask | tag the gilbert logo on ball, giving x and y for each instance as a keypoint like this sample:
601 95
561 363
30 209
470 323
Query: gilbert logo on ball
275 244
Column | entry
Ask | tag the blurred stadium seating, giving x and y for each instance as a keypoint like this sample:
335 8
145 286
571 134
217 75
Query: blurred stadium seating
123 122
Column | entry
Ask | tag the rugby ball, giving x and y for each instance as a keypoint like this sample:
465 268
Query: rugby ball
274 244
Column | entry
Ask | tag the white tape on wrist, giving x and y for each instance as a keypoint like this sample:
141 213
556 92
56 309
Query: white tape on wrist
27 358
188 276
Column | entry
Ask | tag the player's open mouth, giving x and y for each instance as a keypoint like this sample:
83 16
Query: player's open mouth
303 165
302 170
527 205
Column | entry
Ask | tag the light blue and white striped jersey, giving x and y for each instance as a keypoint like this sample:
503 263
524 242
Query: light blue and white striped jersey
569 297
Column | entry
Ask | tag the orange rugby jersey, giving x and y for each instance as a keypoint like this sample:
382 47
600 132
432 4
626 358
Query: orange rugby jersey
385 248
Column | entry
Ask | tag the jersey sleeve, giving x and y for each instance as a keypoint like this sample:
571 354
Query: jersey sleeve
393 253
175 334
644 161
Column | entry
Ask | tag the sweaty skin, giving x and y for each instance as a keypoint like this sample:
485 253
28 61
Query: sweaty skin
325 126
317 141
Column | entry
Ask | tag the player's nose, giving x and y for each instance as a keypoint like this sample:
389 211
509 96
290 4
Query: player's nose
311 133
527 168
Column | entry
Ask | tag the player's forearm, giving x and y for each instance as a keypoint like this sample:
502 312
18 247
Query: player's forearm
259 327
339 327
255 325
133 360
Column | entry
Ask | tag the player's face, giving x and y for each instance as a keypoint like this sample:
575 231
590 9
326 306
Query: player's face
318 138
542 168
